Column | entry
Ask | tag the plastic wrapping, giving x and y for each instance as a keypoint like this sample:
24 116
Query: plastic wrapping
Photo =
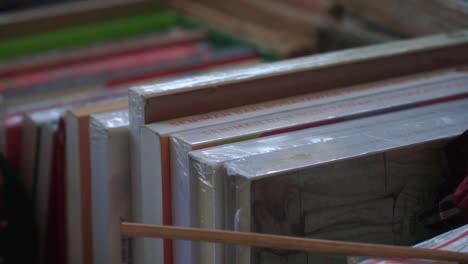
388 96
136 118
455 240
306 63
254 121
100 123
154 142
280 187
166 100
138 96
345 106
78 175
298 76
110 184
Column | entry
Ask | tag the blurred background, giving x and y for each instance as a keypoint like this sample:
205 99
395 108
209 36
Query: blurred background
62 53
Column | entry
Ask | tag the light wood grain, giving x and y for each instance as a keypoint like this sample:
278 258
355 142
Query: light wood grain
289 243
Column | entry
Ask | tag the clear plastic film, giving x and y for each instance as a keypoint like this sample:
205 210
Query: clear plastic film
297 76
109 120
207 165
345 105
455 240
144 109
382 96
303 64
183 200
101 123
241 123
346 182
272 117
110 184
325 108
136 120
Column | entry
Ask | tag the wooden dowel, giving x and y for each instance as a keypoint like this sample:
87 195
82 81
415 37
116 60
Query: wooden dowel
289 243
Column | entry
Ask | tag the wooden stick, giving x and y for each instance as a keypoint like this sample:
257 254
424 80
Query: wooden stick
289 243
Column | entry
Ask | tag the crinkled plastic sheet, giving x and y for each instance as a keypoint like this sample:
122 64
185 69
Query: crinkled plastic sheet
290 113
109 178
101 122
306 63
303 191
181 193
455 240
111 119
207 165
141 95
333 106
136 120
